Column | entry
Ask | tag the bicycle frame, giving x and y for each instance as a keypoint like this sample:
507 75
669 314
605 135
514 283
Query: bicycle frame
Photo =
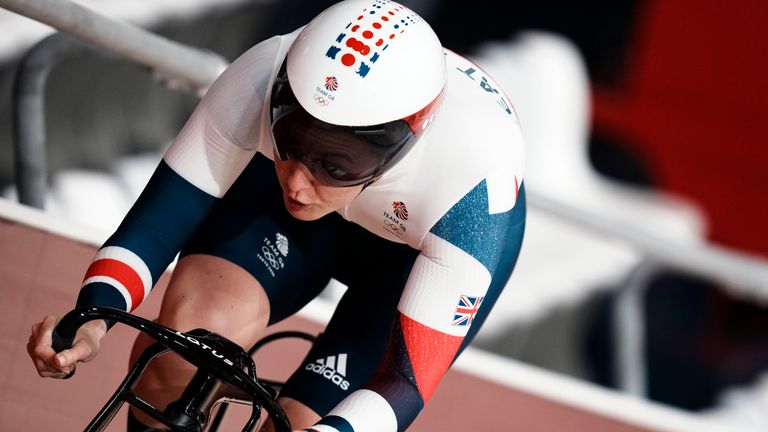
219 362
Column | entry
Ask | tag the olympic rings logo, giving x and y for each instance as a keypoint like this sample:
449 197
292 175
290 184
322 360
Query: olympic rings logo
394 228
321 100
391 225
270 257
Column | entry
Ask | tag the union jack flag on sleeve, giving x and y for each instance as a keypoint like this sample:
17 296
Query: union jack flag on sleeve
466 310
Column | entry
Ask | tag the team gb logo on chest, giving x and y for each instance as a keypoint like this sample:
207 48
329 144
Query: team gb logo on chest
394 219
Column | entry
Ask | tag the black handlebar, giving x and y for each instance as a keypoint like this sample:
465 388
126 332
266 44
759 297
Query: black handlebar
209 352
61 343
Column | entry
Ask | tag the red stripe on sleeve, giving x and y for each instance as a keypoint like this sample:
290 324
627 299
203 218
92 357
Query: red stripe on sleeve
517 189
431 353
122 273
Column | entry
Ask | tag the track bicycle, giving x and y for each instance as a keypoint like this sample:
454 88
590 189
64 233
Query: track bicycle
225 374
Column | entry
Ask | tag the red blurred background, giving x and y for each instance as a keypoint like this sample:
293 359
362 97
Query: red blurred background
692 101
680 99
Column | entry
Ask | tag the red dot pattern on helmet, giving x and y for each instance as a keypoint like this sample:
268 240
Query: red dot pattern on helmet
364 44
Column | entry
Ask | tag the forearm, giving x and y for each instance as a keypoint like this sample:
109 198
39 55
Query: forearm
131 261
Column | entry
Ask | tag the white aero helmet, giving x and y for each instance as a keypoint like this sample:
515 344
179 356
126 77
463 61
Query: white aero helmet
358 87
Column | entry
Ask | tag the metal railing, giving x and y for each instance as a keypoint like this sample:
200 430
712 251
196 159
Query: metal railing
29 125
183 66
180 65
744 276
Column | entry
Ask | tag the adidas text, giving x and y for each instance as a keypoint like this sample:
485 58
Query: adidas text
330 371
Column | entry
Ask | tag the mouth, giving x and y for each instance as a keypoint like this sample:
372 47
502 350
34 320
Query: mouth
293 203
299 210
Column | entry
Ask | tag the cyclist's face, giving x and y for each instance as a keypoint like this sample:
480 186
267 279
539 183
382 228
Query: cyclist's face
305 198
335 155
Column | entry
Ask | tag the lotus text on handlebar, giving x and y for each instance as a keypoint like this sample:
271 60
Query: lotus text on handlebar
206 347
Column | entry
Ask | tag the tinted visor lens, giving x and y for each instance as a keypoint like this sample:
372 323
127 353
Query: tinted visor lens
336 155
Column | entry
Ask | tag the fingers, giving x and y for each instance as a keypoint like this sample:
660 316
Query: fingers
38 358
65 362
45 359
51 364
45 362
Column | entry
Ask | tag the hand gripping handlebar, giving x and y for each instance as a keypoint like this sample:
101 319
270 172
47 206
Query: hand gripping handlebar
214 356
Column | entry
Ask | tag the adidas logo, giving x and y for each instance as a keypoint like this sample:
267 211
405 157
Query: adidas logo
332 369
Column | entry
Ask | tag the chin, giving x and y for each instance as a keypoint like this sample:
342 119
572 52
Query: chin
306 216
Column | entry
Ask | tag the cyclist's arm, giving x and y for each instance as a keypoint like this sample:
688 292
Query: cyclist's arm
205 159
457 260
129 264
172 205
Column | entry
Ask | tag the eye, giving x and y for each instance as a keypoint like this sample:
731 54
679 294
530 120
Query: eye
334 170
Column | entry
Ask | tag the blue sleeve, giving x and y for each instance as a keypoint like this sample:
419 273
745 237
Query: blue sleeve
165 215
469 226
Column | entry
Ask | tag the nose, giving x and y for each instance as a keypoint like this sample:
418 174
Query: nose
298 175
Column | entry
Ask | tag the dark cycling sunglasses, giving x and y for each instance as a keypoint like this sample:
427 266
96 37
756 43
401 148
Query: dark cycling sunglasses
336 155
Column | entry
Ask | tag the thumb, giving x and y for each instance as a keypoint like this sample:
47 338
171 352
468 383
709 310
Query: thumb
84 349
64 359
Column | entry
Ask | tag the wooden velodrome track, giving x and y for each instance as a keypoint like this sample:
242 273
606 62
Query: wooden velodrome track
42 262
